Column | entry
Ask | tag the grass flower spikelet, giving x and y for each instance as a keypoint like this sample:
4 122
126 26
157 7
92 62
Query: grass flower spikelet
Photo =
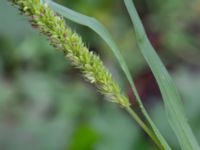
70 43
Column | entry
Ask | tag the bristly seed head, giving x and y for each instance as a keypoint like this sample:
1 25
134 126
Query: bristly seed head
62 37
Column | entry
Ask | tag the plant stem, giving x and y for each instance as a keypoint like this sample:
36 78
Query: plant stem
144 127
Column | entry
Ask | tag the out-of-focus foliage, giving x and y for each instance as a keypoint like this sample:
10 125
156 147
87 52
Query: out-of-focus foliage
45 104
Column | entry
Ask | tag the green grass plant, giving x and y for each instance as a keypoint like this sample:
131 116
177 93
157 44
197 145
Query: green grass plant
62 37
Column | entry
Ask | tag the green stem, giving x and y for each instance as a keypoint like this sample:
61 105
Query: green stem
144 127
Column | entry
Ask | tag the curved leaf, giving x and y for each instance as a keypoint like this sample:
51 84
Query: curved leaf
171 97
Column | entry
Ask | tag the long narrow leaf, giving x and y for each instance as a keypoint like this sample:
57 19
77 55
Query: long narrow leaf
168 89
104 34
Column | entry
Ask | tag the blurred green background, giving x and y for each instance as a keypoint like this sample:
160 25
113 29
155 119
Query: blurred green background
46 105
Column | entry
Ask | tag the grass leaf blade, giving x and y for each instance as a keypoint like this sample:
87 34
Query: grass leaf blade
168 89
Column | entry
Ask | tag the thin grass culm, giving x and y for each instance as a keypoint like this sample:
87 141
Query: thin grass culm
70 43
